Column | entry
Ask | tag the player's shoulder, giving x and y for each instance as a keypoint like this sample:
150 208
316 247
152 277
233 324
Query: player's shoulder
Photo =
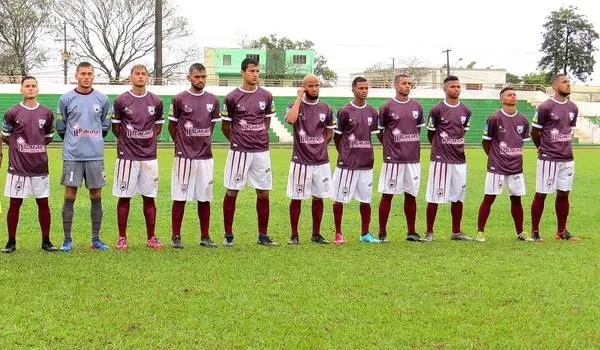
179 96
325 106
438 107
372 109
264 92
124 97
45 110
67 96
14 109
464 107
100 95
153 96
522 117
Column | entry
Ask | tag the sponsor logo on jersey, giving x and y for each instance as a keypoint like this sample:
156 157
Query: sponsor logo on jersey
24 147
310 140
556 136
191 131
77 131
400 137
138 134
354 143
447 140
251 127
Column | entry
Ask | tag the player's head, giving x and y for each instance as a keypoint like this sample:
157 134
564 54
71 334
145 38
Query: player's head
250 71
84 73
311 85
197 76
360 88
561 84
508 96
139 76
452 87
402 84
29 87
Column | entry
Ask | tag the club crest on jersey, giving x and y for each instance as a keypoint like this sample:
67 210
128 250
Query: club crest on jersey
262 105
463 119
41 123
370 120
187 109
96 107
184 188
519 128
209 107
415 114
571 116
151 110
322 117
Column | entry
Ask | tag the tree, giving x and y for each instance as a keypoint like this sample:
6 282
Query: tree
568 44
471 65
115 33
272 42
513 79
22 24
537 78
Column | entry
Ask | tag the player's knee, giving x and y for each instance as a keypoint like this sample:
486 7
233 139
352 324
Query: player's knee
231 193
560 193
262 194
70 193
540 195
317 199
95 193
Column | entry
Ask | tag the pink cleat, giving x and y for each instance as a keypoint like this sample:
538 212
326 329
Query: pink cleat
339 239
153 243
122 243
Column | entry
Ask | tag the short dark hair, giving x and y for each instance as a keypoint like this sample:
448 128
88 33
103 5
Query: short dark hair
400 76
358 80
450 78
507 88
197 66
555 77
248 61
84 64
28 77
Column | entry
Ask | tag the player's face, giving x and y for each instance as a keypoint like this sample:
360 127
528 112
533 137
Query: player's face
197 79
452 89
139 77
403 86
250 75
311 89
85 77
563 86
361 90
29 89
509 98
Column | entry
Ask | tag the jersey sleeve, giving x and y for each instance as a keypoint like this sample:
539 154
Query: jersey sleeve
573 122
525 134
158 114
7 124
174 110
420 118
540 117
116 112
61 122
341 122
104 118
375 122
330 122
270 108
49 126
228 107
467 122
215 114
489 130
382 123
433 119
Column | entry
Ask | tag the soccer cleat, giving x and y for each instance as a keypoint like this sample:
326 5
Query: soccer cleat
266 241
318 239
98 244
480 237
207 242
566 236
339 238
176 242
369 238
153 243
535 235
48 246
228 241
460 236
413 237
294 240
428 237
122 243
523 237
11 246
66 246
383 237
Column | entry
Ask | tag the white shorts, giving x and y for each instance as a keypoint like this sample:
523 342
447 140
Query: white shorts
192 179
349 184
552 176
135 176
446 182
255 168
305 181
398 178
515 184
18 186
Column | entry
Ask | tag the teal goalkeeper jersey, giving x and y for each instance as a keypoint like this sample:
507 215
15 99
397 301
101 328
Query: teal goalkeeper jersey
84 117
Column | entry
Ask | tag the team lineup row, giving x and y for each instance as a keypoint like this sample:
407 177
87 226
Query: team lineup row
245 119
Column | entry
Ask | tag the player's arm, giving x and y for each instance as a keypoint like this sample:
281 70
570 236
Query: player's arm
328 135
226 115
173 119
431 125
382 122
7 127
270 107
487 146
49 129
116 119
105 118
61 123
537 123
292 114
488 135
339 130
215 116
536 137
159 120
173 129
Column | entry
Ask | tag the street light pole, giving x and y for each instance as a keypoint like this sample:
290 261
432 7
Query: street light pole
447 51
65 54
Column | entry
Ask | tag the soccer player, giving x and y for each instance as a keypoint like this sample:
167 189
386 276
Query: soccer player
191 125
353 175
137 121
82 128
448 122
503 137
28 127
309 173
400 122
246 119
551 133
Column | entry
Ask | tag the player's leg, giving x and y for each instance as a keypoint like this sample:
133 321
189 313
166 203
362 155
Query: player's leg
295 189
40 189
386 186
262 211
202 172
234 179
260 178
545 182
411 183
320 187
493 187
180 190
437 192
515 184
565 176
457 188
95 179
12 221
125 183
148 188
364 194
67 217
342 192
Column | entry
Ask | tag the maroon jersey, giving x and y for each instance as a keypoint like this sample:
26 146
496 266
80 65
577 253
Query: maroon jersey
247 110
194 115
507 133
556 119
27 130
355 125
310 144
401 123
450 124
137 116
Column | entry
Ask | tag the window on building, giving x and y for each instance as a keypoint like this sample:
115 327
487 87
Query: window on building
227 60
299 59
253 56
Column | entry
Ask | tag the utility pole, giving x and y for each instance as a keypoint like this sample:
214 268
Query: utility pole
65 54
158 66
393 63
447 51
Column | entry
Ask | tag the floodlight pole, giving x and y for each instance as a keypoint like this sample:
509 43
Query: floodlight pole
447 51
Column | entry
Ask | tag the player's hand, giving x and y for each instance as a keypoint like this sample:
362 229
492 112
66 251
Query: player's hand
301 91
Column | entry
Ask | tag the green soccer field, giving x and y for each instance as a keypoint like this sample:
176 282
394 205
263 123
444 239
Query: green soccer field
499 294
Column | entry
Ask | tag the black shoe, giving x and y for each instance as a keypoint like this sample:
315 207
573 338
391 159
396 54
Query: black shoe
176 242
207 242
383 237
319 239
11 246
228 241
265 240
536 236
413 237
294 240
48 246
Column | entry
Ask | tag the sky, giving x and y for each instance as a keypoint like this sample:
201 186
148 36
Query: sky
355 35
